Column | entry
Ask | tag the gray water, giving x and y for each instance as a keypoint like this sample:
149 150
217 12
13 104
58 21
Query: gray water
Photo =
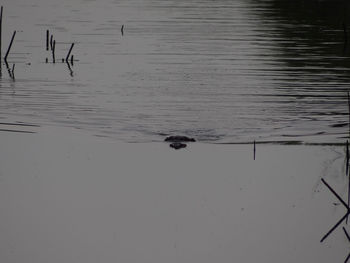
220 71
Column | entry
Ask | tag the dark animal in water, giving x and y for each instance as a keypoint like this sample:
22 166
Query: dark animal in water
179 139
177 145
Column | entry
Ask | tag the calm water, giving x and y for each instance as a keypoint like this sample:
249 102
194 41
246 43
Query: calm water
221 71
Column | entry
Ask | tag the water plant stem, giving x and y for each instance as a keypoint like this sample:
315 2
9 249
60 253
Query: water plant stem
13 71
254 149
51 42
9 48
47 40
0 32
70 50
346 234
343 218
53 51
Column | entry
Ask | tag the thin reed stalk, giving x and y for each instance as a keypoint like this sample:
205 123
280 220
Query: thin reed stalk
13 71
1 32
349 112
70 50
254 149
53 51
51 42
343 218
346 234
47 40
9 48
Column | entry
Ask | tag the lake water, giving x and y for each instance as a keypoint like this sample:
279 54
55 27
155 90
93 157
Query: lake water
220 71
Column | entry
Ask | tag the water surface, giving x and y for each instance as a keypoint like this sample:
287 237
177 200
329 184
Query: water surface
221 71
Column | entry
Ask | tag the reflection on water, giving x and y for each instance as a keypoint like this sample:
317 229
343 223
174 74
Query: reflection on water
223 71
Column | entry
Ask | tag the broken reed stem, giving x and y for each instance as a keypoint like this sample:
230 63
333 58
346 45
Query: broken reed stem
343 218
334 227
254 149
51 42
348 174
336 194
8 50
347 258
348 193
0 32
53 51
47 40
70 50
349 112
13 70
346 233
347 158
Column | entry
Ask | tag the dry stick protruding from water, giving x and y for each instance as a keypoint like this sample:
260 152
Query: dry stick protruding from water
0 32
53 51
51 42
348 175
347 258
70 50
348 237
47 40
347 158
70 69
343 218
13 71
346 234
8 50
349 111
254 150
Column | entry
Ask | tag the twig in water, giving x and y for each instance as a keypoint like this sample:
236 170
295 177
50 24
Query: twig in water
0 32
348 237
349 111
70 50
53 51
335 226
70 69
8 69
343 218
13 71
347 174
347 258
254 150
8 50
51 42
47 40
347 158
346 234
347 164
336 194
